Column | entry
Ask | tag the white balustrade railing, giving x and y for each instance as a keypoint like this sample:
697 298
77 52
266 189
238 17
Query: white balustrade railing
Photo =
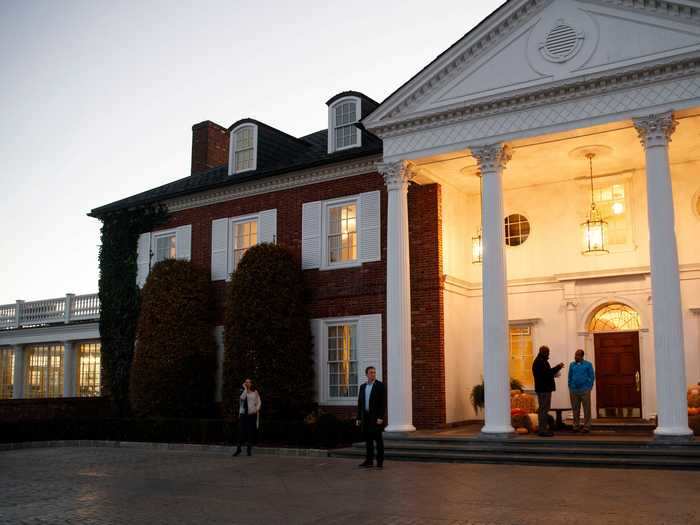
47 311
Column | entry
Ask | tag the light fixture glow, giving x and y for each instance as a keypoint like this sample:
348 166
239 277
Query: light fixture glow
618 208
477 248
595 229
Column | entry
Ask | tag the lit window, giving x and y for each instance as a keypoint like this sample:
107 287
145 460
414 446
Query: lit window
7 366
610 201
166 247
517 229
614 317
89 369
342 361
342 233
521 355
244 149
245 235
44 370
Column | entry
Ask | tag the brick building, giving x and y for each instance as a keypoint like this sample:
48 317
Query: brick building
448 231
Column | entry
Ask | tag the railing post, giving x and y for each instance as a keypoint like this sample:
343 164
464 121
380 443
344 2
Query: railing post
18 373
69 307
18 313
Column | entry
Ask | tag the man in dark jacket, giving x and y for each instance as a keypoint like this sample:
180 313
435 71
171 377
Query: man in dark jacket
370 416
544 386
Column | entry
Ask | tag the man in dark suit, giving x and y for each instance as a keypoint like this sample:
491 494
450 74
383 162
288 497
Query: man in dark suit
370 416
544 386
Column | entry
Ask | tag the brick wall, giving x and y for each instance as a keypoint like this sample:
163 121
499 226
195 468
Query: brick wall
427 312
353 291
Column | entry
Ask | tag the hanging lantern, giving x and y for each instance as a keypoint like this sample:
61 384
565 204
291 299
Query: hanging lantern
595 229
477 248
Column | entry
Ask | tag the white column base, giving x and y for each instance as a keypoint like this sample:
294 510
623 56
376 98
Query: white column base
673 433
497 430
400 428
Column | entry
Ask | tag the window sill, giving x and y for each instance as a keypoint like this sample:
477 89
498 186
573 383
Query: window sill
339 402
338 266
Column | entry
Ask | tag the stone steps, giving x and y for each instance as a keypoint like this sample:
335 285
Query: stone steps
536 451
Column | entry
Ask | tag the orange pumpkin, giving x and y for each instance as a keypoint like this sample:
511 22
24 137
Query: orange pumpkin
692 411
521 430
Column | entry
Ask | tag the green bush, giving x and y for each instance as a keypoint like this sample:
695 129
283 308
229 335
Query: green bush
477 394
175 359
267 333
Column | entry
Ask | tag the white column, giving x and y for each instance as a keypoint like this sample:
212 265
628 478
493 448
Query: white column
655 132
69 369
18 373
398 299
492 160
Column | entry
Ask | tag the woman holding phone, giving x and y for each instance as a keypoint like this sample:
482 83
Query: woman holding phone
248 412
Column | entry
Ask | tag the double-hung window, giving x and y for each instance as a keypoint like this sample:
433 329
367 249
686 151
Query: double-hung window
521 354
343 132
165 247
342 233
243 148
342 360
245 235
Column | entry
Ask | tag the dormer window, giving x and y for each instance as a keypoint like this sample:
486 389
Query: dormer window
342 130
244 142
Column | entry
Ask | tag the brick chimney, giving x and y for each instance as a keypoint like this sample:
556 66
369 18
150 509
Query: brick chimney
209 146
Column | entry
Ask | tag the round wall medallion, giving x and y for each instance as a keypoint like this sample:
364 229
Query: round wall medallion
561 43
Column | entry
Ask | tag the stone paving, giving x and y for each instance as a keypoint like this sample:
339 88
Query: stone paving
137 485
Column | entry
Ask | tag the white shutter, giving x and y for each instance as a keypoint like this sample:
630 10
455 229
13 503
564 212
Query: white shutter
369 347
311 221
183 242
219 338
370 217
267 226
219 249
319 358
143 258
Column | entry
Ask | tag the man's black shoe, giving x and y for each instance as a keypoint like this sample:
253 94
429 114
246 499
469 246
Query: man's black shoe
237 452
366 464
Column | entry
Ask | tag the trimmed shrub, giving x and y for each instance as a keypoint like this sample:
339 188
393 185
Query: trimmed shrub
268 334
175 359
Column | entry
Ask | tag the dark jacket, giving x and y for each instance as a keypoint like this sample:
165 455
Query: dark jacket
377 402
544 375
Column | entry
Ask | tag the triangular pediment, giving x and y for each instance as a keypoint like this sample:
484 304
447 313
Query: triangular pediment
528 45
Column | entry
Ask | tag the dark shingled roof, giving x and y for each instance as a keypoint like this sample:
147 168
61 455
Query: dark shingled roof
278 153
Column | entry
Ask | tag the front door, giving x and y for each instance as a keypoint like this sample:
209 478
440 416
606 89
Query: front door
618 381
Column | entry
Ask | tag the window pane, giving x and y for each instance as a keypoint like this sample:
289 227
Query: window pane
245 236
244 138
342 236
521 355
88 369
165 248
44 370
7 366
342 360
610 201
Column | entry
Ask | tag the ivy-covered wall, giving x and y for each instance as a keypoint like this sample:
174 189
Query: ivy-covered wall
120 297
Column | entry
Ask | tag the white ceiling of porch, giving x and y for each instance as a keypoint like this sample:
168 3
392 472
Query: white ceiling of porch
548 158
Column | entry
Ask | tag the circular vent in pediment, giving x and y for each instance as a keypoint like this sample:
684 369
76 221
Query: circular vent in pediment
561 43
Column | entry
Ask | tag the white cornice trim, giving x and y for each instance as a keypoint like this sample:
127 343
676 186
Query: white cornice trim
51 334
564 90
286 181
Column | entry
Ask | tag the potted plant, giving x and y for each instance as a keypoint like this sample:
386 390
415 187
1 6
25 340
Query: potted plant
477 394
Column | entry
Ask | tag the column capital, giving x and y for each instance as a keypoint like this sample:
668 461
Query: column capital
655 130
397 174
492 157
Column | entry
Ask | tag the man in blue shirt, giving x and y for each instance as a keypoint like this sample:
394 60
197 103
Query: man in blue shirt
581 378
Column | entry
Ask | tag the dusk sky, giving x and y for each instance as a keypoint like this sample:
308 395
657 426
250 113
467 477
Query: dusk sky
98 99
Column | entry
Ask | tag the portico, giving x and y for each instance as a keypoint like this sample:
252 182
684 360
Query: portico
503 121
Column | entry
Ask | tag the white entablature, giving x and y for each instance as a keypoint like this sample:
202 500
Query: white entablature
537 66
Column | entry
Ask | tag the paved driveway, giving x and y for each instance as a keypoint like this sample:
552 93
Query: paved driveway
133 486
